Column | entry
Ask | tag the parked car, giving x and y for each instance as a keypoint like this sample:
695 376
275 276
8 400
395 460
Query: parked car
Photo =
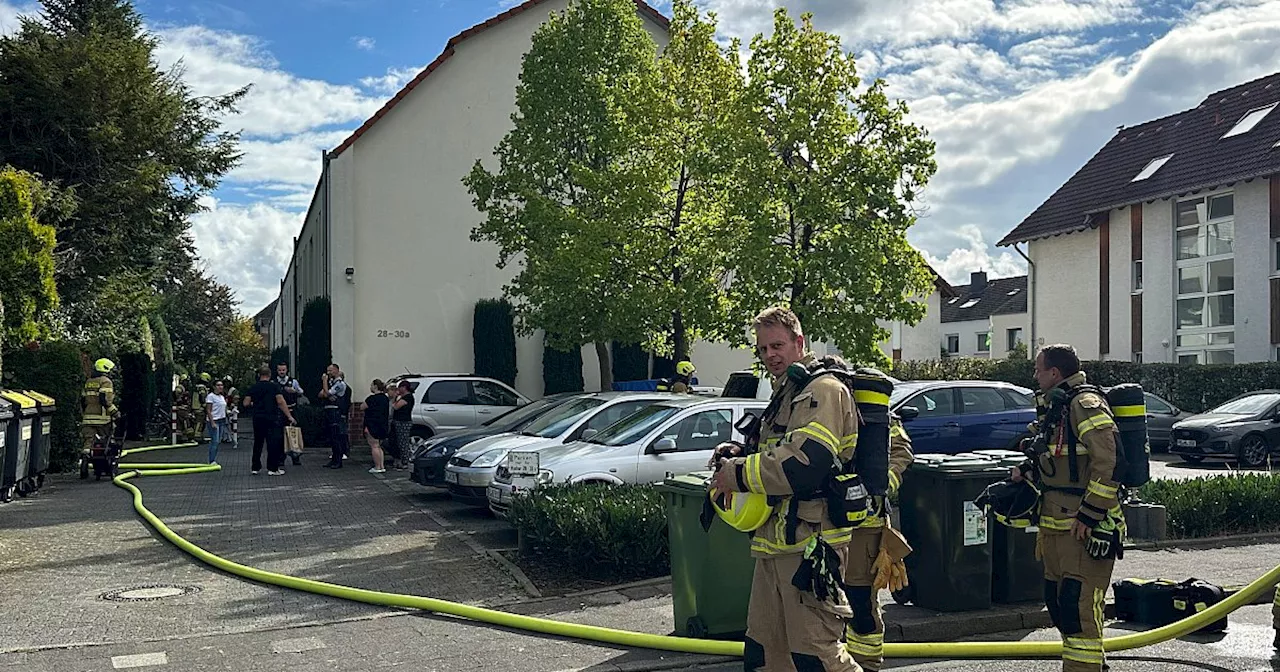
471 469
671 437
431 455
449 401
747 385
1245 429
963 415
1161 416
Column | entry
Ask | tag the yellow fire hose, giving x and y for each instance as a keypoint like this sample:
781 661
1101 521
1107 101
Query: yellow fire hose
986 650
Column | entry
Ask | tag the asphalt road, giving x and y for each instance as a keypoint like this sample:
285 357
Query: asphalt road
1164 465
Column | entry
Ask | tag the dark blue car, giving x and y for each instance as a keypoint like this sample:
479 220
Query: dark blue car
960 416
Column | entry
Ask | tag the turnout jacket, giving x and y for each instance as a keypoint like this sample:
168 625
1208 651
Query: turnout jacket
1094 494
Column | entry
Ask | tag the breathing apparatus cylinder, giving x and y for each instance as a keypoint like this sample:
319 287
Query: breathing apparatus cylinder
871 390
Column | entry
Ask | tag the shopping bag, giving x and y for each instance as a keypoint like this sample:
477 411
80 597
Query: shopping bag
293 439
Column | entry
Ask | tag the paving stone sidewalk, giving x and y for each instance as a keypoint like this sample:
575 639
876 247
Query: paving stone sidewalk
61 550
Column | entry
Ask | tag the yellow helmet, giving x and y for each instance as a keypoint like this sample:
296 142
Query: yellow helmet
205 377
743 511
685 368
104 365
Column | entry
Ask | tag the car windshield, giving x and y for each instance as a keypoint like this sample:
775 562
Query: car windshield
1251 405
560 418
901 392
520 415
633 427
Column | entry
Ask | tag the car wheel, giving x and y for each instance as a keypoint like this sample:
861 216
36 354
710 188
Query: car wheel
1253 451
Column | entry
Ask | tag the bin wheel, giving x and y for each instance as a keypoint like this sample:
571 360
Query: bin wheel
23 487
904 596
6 494
696 628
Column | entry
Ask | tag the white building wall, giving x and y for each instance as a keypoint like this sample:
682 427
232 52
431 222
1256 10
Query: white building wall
968 331
1000 326
1158 279
1121 284
402 219
1066 291
1253 268
917 342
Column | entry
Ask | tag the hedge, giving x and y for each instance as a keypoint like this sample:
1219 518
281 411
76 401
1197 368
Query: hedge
311 419
137 393
1191 387
279 356
493 335
596 530
54 369
561 371
1211 506
314 346
630 362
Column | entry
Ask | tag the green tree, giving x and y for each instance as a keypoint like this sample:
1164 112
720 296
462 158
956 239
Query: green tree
570 189
830 179
315 347
493 338
83 103
240 351
197 310
694 139
28 210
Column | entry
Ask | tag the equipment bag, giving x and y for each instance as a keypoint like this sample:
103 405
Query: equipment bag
1160 602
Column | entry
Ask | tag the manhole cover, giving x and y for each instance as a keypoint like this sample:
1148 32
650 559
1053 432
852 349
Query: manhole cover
149 592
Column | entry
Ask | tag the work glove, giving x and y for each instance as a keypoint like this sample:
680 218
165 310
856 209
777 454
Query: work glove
891 571
1105 540
724 451
820 573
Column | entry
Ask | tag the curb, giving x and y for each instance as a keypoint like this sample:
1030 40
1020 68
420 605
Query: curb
1206 542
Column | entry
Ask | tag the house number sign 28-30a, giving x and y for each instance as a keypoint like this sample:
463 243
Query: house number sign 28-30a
393 333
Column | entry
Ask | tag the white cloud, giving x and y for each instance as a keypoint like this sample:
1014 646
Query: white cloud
246 247
393 80
295 160
217 62
365 43
976 256
9 14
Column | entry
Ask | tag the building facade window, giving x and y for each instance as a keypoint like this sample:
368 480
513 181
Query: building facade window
1275 256
1205 284
1137 275
984 341
953 343
1014 338
1137 358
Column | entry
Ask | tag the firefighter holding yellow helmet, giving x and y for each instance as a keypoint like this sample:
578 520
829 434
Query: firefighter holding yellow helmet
809 428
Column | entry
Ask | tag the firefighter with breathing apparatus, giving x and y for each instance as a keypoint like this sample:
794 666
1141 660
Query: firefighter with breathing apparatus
788 487
1076 469
680 383
98 412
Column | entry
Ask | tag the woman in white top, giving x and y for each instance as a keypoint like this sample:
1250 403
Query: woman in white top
215 415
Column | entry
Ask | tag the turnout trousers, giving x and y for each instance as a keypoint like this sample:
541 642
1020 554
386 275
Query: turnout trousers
1075 585
789 629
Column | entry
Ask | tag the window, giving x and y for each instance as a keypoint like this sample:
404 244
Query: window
615 413
1204 291
1014 338
701 431
489 394
1151 168
1249 120
1137 275
933 403
1275 256
1137 358
984 342
1157 405
953 343
981 400
1015 400
970 303
448 392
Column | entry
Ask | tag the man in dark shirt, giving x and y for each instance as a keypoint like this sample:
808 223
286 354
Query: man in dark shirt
270 412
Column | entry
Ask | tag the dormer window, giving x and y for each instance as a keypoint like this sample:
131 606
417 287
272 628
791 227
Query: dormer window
1249 120
1151 168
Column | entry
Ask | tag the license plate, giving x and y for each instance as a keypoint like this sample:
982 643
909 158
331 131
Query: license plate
1186 443
496 494
522 463
450 477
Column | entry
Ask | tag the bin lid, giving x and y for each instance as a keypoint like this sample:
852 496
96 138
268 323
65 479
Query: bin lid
999 453
6 412
20 401
693 483
42 399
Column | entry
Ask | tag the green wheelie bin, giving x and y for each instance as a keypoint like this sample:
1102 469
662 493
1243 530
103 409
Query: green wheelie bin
710 570
41 438
1016 575
15 479
949 568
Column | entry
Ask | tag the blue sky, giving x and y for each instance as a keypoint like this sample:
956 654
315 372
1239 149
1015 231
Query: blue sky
1016 93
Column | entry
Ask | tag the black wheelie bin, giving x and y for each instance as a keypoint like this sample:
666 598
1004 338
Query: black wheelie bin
14 479
41 438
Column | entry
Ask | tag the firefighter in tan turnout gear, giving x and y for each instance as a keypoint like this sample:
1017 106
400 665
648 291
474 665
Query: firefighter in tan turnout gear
798 607
1081 523
875 562
97 406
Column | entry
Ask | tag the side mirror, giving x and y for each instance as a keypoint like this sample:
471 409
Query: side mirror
588 433
664 445
908 413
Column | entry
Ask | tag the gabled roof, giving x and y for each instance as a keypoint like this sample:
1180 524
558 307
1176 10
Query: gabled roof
1002 296
1201 159
449 47
266 313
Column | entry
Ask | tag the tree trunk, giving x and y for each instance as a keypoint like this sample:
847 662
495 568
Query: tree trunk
606 366
678 337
